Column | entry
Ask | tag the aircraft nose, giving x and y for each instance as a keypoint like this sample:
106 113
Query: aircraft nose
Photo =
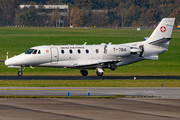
7 62
14 61
10 61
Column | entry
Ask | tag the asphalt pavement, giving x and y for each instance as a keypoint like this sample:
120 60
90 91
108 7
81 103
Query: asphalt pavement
84 77
89 109
144 92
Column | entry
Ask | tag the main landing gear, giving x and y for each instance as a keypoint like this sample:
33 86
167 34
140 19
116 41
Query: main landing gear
99 72
20 73
84 72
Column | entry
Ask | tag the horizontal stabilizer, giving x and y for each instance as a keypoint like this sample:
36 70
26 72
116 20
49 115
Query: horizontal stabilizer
145 38
161 41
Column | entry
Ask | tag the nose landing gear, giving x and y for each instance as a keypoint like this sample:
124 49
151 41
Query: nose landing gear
20 73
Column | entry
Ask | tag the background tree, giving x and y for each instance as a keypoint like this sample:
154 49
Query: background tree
28 17
88 18
132 15
99 18
121 12
79 18
144 13
8 8
55 18
176 14
72 13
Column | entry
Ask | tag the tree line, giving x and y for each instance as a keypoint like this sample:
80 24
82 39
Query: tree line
100 13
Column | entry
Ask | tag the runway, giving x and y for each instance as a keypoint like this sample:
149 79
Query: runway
89 109
84 77
155 92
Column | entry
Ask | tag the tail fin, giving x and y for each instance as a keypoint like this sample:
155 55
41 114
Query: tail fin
163 31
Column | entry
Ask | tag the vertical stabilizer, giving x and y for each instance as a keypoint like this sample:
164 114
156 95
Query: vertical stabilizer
163 30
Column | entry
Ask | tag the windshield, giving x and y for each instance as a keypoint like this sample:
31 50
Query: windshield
34 52
29 51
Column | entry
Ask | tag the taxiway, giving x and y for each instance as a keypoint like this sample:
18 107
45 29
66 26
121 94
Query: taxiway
157 92
84 77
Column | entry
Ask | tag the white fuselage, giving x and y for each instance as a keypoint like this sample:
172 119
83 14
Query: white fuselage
84 56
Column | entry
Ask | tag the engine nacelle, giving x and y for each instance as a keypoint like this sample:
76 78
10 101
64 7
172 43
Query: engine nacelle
118 50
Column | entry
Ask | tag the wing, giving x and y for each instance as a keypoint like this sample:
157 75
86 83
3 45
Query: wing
95 64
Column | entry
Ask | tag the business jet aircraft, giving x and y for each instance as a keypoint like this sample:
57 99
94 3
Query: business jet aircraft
96 57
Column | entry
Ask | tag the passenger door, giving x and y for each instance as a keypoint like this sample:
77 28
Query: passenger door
54 55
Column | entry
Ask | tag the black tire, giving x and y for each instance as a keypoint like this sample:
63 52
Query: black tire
99 73
20 73
84 72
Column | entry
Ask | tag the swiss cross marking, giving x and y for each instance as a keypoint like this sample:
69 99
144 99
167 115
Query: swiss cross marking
163 29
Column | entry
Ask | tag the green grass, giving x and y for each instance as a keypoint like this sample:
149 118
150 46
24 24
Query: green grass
18 40
89 83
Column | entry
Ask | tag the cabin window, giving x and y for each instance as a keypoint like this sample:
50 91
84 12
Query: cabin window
97 51
62 51
87 51
39 52
34 52
79 51
105 49
29 51
70 51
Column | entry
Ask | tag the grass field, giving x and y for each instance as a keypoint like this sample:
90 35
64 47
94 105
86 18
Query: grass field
89 83
18 40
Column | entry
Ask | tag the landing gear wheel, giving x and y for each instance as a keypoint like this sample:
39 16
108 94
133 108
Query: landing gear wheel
99 73
84 72
20 73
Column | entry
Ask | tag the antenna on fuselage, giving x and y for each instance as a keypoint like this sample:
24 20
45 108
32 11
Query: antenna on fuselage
7 56
85 43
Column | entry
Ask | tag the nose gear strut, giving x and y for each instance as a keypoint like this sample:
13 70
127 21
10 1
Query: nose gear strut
20 73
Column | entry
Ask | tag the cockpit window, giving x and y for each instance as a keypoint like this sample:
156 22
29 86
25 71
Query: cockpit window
34 52
29 51
39 52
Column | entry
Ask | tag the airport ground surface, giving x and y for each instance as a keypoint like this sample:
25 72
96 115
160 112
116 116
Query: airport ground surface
159 103
89 109
83 77
18 40
155 92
